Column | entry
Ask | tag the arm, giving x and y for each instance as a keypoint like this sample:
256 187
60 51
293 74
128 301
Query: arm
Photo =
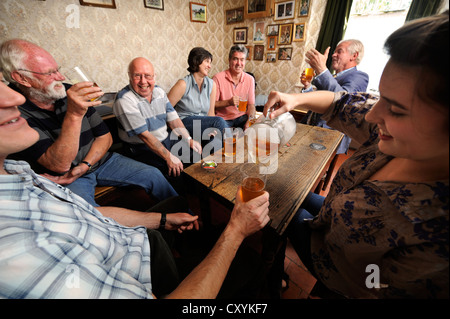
207 278
176 92
178 127
212 100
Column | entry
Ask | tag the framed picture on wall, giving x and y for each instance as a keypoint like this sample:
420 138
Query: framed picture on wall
284 10
258 32
99 3
272 29
234 15
257 8
271 57
303 8
250 52
240 35
299 32
259 53
285 34
154 4
198 12
285 53
272 43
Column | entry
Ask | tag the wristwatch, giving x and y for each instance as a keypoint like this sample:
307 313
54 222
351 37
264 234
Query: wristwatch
162 223
88 165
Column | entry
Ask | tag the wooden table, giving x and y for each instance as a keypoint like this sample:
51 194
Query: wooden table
300 167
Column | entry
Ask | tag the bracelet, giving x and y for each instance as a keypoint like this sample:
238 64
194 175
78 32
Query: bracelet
88 164
162 223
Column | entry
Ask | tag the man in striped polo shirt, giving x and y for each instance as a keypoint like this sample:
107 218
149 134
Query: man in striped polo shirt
73 140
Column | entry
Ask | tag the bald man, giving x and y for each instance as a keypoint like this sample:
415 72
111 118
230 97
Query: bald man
145 116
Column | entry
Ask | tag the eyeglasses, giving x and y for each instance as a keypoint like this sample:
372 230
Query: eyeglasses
50 73
138 76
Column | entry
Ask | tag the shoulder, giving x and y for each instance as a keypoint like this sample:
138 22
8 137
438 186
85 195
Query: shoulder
158 93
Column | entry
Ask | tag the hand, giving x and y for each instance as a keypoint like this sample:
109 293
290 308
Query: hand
249 217
69 177
79 97
196 146
317 60
303 80
181 222
279 103
175 165
234 100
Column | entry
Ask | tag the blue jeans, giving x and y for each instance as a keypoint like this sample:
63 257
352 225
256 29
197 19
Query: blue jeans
123 171
208 124
298 231
238 122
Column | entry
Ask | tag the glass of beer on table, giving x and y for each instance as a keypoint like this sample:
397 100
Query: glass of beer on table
76 75
230 137
253 181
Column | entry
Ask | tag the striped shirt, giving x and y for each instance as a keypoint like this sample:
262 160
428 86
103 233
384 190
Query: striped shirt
53 244
48 124
137 115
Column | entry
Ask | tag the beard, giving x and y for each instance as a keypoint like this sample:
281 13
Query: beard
49 94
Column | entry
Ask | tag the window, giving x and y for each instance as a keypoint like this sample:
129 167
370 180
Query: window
372 21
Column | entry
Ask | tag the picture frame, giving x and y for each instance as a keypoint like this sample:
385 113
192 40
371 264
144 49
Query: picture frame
258 32
285 34
257 8
240 35
299 32
272 29
284 10
271 57
258 53
234 15
154 4
198 12
272 43
99 3
250 52
303 8
285 54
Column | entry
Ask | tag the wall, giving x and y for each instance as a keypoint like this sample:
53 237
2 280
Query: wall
107 39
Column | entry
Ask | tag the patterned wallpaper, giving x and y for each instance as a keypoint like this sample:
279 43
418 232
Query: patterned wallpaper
104 40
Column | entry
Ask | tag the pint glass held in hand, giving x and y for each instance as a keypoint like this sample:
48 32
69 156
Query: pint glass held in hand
76 75
242 104
253 181
309 74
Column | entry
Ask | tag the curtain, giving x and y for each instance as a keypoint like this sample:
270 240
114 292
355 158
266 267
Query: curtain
421 8
333 27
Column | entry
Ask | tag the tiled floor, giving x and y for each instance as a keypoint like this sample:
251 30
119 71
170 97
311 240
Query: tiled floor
301 282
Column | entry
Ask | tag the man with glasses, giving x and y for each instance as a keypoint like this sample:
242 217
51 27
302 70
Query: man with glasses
73 140
146 115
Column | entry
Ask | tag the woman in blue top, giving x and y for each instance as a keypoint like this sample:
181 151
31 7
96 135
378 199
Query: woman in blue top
194 97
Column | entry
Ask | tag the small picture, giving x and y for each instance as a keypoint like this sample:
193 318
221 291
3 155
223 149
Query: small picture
250 52
272 43
271 57
259 53
285 53
285 34
272 29
258 32
198 12
303 9
240 35
154 4
299 32
99 3
284 10
234 15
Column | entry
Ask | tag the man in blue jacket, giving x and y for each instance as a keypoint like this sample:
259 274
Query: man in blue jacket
347 77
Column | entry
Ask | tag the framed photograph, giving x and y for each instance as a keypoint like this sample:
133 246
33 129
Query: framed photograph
285 34
99 3
303 8
272 29
198 12
271 57
284 10
250 52
257 8
234 15
240 35
154 4
259 53
272 43
285 53
258 32
299 32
